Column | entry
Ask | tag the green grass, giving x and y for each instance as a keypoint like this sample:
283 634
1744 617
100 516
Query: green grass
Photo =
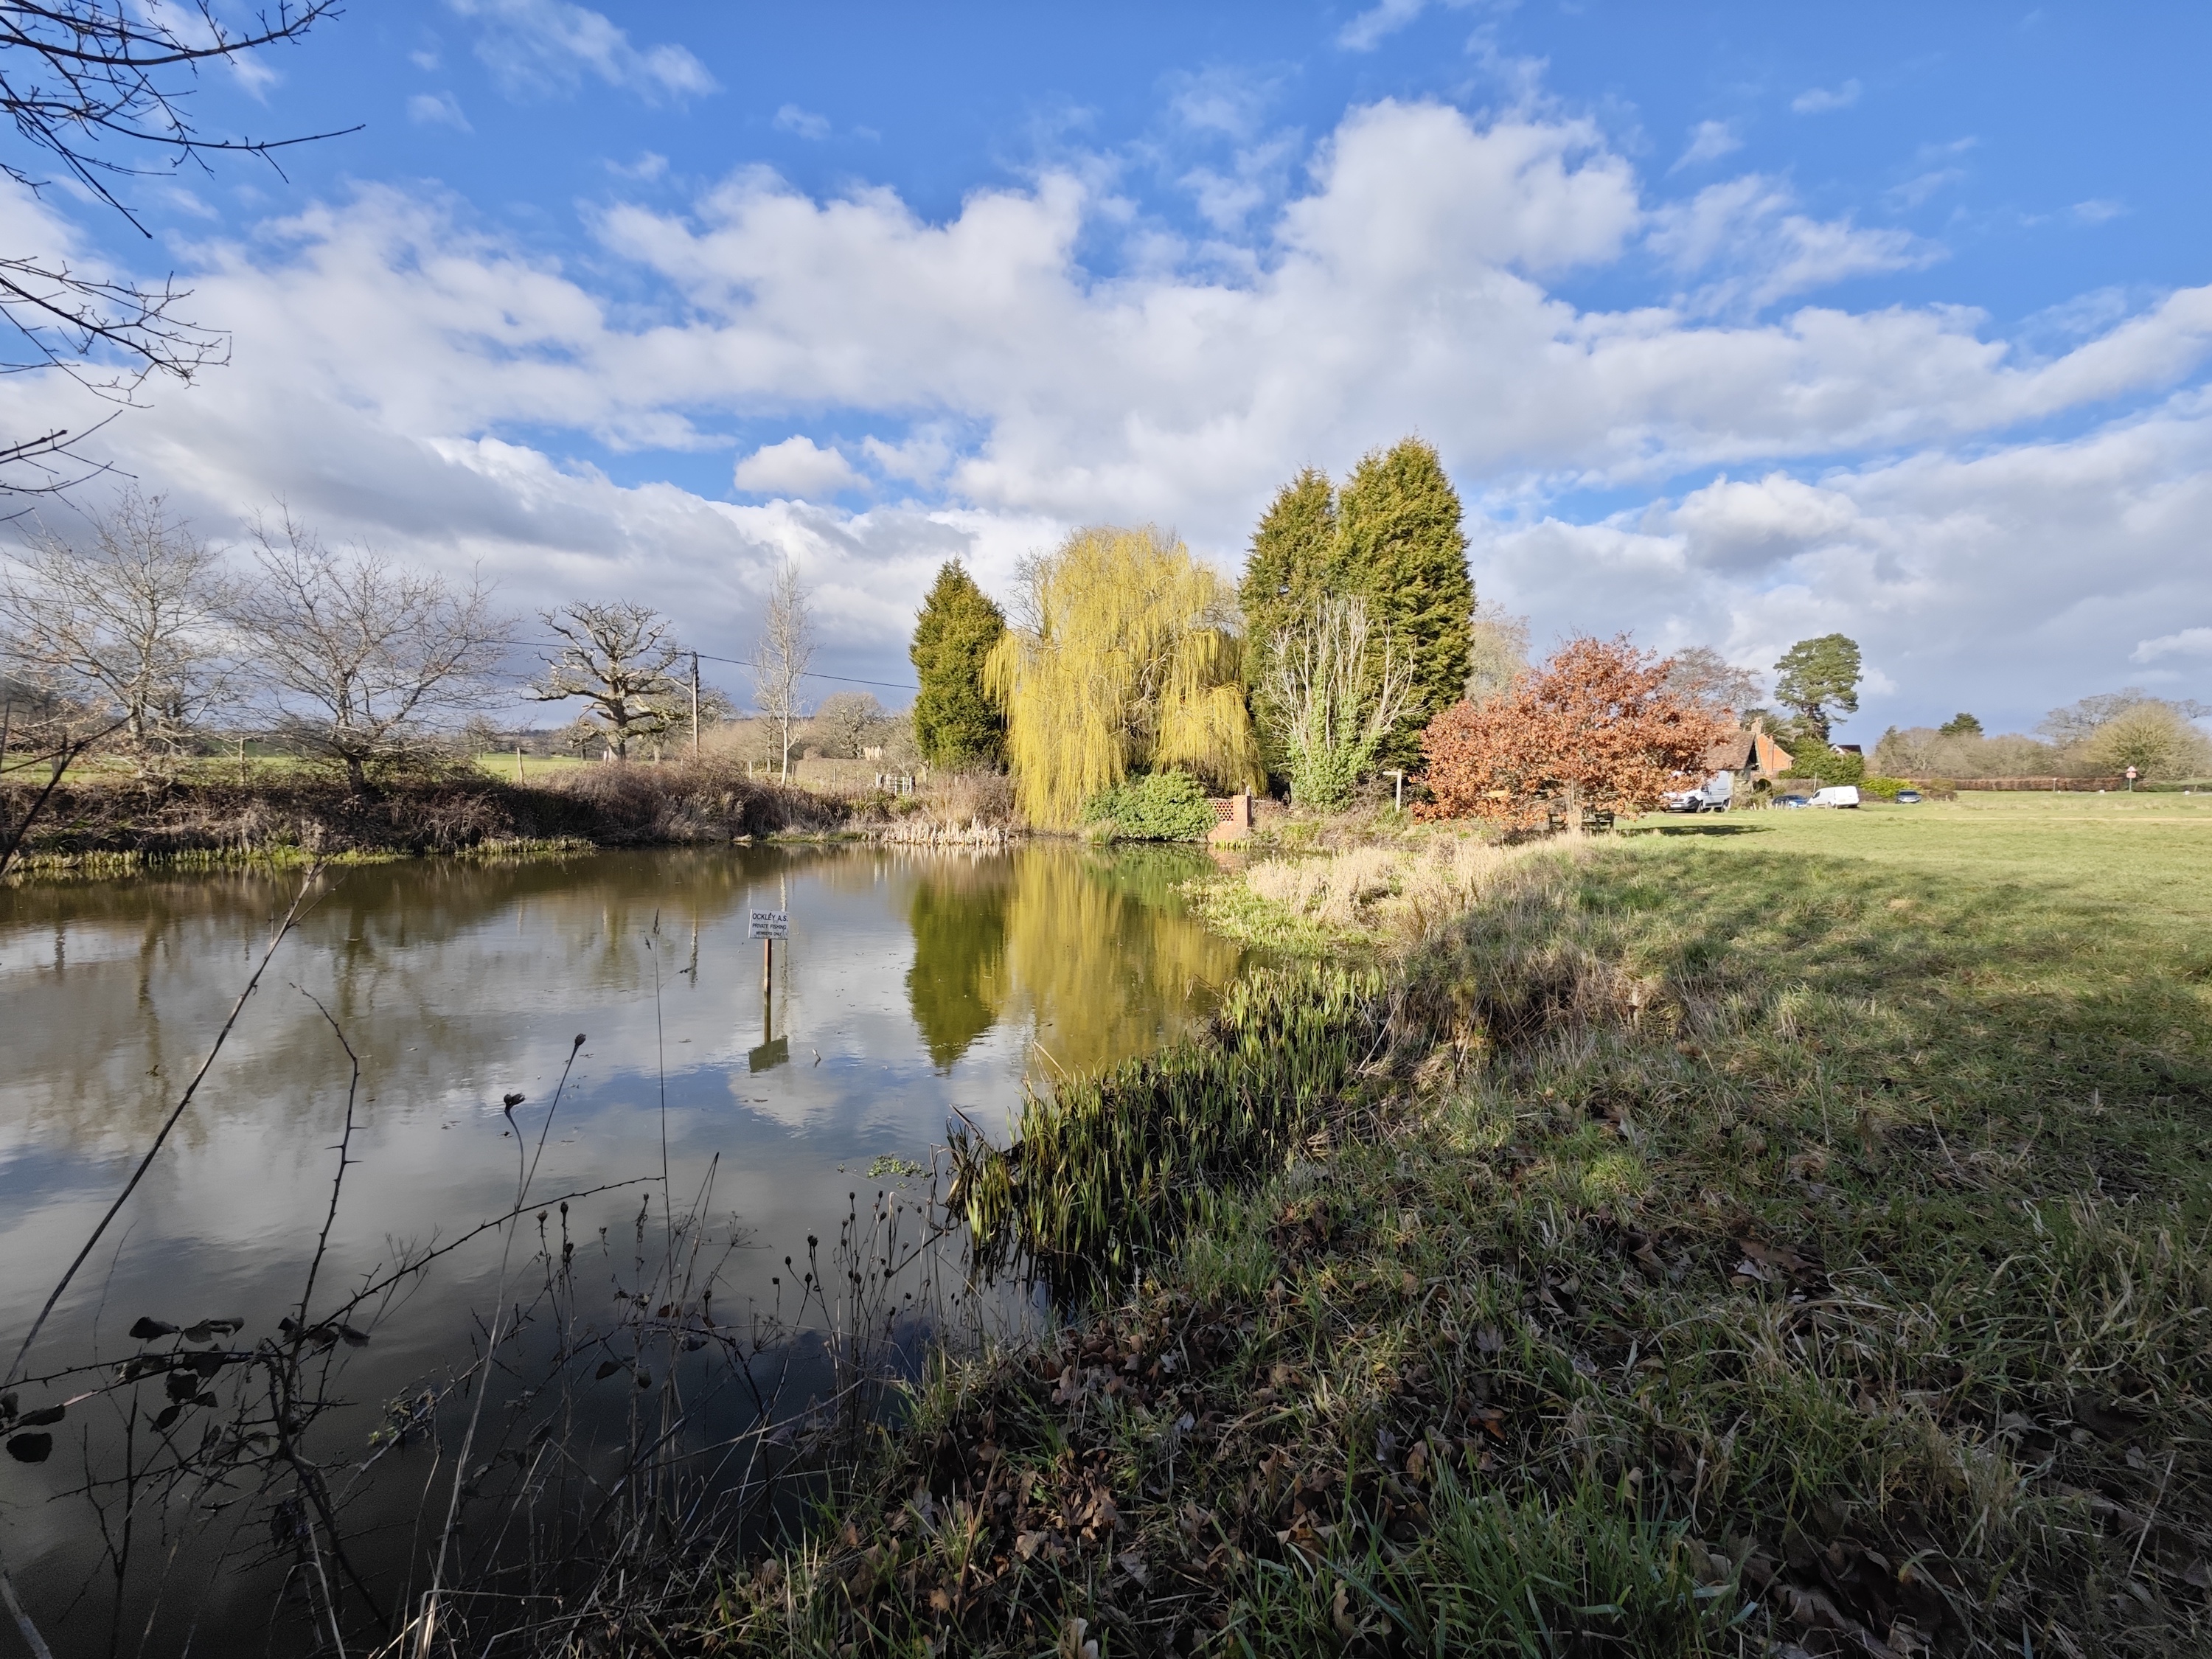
1782 1229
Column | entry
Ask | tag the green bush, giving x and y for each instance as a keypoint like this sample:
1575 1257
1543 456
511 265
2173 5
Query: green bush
1154 806
1821 765
1884 788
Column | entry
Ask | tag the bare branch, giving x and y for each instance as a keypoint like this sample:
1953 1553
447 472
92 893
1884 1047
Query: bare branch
358 655
785 651
617 657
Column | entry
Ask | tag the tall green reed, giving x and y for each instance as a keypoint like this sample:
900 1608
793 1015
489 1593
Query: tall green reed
1110 1168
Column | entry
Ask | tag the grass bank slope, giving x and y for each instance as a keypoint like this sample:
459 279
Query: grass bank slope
1788 1240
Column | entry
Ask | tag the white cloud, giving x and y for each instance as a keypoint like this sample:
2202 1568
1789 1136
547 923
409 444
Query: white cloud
387 351
1916 189
795 467
1227 101
1743 235
2096 212
1379 21
1819 101
1709 142
650 165
2189 642
1965 576
923 459
437 109
793 119
541 46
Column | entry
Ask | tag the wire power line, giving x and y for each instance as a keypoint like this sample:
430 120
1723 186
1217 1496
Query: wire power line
740 662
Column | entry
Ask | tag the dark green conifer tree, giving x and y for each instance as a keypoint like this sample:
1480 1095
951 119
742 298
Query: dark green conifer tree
1400 543
956 723
1293 556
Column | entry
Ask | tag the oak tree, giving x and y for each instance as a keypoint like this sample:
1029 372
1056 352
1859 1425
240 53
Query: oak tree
616 657
1596 728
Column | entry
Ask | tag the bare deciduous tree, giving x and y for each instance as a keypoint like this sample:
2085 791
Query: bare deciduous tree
1701 675
617 657
1340 692
781 659
100 89
127 615
358 657
1498 651
841 725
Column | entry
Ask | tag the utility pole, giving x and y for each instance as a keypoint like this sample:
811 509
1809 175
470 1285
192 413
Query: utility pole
695 705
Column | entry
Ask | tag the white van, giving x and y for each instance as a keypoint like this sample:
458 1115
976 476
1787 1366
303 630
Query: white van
1836 794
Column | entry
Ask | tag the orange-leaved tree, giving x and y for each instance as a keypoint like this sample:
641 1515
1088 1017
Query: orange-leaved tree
1594 727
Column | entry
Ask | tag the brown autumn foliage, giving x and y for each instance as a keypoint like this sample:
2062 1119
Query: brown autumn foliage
1594 727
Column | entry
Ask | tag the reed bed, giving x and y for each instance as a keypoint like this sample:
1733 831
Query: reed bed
1109 1170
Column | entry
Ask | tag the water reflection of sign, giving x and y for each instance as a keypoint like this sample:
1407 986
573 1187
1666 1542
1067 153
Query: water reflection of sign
769 924
777 1053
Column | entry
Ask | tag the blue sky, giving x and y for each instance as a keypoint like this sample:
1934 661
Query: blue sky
1734 323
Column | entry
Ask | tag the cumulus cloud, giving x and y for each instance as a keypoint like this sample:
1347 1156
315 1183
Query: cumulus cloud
795 467
544 46
1819 101
1963 576
391 353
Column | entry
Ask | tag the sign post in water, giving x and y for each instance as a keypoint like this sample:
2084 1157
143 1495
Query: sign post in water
768 927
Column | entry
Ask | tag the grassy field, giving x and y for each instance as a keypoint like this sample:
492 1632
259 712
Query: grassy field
1777 1234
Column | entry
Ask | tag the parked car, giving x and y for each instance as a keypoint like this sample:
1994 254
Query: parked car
1710 796
1908 798
1836 794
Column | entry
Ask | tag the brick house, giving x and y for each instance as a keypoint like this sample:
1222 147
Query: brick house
1751 756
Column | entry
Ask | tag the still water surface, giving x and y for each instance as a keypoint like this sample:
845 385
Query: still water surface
912 985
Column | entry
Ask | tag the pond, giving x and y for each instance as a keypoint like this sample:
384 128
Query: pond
916 988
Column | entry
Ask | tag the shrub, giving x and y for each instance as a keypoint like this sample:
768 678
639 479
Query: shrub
1884 788
1154 806
1815 764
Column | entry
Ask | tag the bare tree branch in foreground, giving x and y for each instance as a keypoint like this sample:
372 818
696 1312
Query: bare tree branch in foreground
99 89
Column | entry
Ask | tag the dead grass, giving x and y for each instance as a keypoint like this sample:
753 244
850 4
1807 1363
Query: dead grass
1386 892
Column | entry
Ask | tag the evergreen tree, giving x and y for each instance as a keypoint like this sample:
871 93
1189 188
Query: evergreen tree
956 723
1293 554
1400 544
1819 678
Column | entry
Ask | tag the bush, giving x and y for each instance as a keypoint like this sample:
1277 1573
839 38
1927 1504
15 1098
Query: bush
1825 766
1884 788
1154 806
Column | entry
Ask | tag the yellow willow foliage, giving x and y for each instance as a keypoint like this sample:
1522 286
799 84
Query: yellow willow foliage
1128 661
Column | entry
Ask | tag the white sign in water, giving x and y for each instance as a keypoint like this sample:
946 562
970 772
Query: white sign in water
769 924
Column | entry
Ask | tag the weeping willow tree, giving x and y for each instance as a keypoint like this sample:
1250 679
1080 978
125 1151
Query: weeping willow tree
1126 660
